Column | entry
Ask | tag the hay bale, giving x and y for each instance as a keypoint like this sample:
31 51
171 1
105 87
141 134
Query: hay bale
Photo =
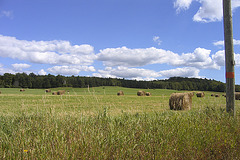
180 101
200 94
54 93
60 92
141 93
148 94
217 95
0 92
48 90
120 93
212 95
22 90
237 95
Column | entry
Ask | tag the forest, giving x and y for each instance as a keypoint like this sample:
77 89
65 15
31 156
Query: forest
23 80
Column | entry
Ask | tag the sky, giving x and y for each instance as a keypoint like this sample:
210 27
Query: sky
131 39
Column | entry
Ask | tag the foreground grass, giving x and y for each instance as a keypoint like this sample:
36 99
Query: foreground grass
203 134
97 124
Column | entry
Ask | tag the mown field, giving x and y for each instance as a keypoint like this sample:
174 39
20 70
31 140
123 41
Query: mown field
95 123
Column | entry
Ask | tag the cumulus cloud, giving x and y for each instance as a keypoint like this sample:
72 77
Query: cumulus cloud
221 43
209 11
200 58
70 70
46 52
146 74
20 66
182 4
123 56
129 73
219 58
133 57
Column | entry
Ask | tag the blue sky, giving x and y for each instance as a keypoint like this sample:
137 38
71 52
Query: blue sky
134 39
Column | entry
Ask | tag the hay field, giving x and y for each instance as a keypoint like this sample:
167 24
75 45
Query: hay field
95 123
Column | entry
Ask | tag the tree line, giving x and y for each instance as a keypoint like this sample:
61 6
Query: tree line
23 80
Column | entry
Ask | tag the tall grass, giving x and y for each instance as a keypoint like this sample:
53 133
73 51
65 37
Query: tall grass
203 134
83 126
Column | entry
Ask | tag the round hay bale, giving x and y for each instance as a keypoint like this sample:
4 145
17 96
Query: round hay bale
217 95
148 94
60 92
48 90
237 96
22 90
200 94
120 93
141 93
180 101
212 95
54 93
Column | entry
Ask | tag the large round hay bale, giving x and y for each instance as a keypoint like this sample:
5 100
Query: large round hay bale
212 95
148 94
180 101
60 92
48 90
237 96
200 94
120 93
22 90
217 95
141 93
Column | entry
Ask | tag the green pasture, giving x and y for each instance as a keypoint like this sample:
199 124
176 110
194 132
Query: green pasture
95 123
91 101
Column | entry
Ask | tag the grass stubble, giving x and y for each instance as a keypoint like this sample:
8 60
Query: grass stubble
86 125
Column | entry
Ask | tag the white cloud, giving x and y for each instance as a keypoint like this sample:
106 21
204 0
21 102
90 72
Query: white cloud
70 70
129 73
5 70
200 58
157 40
42 72
221 43
46 52
134 57
209 11
145 74
181 72
219 58
20 66
182 4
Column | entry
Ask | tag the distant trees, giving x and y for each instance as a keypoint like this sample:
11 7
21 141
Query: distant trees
22 80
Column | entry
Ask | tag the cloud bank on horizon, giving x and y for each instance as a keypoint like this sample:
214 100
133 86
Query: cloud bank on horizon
119 62
61 57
